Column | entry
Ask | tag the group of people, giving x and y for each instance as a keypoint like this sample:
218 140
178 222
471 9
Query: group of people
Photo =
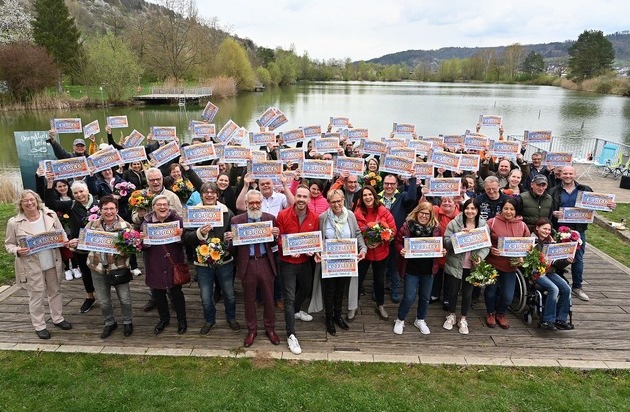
513 199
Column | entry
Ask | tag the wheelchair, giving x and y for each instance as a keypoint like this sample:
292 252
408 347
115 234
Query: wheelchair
529 299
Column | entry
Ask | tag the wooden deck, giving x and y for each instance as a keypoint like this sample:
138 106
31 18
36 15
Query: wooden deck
602 329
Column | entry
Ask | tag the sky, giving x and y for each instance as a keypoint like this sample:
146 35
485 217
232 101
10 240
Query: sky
365 29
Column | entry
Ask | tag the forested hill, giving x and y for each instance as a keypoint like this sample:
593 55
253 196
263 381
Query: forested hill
557 51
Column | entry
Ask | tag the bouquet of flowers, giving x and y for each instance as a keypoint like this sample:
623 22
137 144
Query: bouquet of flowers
212 252
122 189
129 242
183 189
534 265
483 274
140 199
377 233
64 218
565 235
373 179
93 214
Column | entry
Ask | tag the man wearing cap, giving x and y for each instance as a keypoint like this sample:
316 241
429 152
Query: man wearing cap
78 147
535 203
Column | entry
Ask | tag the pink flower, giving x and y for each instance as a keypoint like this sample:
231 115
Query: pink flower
117 185
123 193
574 236
92 218
564 229
126 235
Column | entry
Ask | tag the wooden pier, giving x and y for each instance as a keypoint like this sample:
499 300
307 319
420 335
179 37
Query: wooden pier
180 95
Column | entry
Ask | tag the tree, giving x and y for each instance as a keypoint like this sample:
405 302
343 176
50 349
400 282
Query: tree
27 68
591 55
232 61
15 23
533 64
512 58
112 65
54 29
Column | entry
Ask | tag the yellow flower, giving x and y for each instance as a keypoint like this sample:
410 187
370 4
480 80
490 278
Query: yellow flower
189 185
65 216
203 250
215 255
175 188
215 240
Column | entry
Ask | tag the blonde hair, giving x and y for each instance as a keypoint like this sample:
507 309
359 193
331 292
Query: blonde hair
425 207
38 199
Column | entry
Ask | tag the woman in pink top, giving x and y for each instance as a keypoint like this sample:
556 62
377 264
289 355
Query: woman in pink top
318 203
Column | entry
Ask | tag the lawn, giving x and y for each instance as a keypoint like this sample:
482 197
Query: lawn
46 381
7 274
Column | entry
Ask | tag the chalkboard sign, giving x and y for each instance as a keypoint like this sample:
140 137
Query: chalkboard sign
31 148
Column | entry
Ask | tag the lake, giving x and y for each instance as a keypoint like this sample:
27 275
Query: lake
435 108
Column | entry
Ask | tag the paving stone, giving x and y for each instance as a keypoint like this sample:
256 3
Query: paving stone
617 365
305 356
481 360
397 358
169 351
124 350
582 364
350 357
205 353
79 349
36 347
535 362
442 360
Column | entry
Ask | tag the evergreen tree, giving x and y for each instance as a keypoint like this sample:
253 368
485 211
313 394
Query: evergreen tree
533 64
55 29
591 55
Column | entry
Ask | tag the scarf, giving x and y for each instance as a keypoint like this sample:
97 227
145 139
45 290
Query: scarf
338 222
417 230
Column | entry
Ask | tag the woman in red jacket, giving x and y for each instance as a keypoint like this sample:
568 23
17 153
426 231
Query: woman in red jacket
505 224
370 210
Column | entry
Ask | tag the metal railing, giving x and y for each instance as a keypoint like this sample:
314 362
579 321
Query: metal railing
581 148
182 90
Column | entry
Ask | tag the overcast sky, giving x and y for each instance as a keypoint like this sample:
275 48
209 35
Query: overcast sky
365 29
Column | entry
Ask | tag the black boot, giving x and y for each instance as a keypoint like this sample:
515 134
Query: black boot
330 327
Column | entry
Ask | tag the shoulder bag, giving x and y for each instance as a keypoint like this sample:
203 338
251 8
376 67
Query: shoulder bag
181 272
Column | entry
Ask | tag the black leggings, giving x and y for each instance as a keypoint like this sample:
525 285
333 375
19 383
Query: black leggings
453 290
86 274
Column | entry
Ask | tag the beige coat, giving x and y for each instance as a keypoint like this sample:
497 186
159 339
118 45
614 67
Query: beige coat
28 272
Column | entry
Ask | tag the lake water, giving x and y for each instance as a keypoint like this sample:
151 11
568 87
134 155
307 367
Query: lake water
435 108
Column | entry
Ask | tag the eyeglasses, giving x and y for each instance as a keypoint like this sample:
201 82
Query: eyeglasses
425 214
254 203
389 184
336 202
157 179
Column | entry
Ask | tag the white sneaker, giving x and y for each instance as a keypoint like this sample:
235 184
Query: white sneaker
352 313
422 325
450 321
136 272
294 345
399 325
463 326
77 273
581 295
69 274
303 316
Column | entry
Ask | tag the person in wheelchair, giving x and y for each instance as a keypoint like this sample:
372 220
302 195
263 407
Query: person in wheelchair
558 301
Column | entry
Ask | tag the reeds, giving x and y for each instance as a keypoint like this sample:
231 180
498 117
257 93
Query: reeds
45 100
222 86
8 188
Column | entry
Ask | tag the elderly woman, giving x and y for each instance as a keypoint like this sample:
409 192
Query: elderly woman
40 272
370 210
418 272
79 212
222 270
159 269
101 263
499 296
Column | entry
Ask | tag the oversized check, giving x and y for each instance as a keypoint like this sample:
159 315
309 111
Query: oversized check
97 241
259 156
164 153
326 145
340 249
91 129
292 155
594 201
134 139
469 162
477 143
539 136
262 138
240 137
474 239
557 159
447 160
277 121
404 129
209 112
267 116
421 147
164 132
339 268
237 154
68 168
162 233
104 159
455 141
576 215
317 169
558 251
515 246
197 216
311 132
133 154
357 134
255 232
443 186
207 173
299 243
268 169
117 122
402 152
197 153
372 147
338 135
490 120
43 241
436 141
292 136
227 131
397 165
70 125
505 148
394 142
204 130
423 247
423 170
352 165
339 121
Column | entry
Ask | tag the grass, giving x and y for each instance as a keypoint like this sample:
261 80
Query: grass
608 242
55 381
7 272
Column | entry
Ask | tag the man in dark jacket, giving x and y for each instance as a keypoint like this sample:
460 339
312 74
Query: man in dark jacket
491 201
535 203
78 147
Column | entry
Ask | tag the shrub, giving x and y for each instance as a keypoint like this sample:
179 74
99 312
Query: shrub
27 69
222 86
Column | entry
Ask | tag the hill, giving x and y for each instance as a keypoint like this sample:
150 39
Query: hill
551 52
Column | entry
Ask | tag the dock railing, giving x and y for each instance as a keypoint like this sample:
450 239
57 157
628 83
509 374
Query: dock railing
182 90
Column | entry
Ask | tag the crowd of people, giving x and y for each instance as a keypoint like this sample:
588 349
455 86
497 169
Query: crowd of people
512 198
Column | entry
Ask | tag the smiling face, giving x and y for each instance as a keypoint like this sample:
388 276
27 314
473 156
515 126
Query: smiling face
423 216
539 188
79 148
80 194
223 182
107 174
543 231
161 209
504 167
536 160
471 211
492 190
176 173
389 185
302 197
209 197
156 182
351 183
508 211
336 204
372 165
136 167
254 204
62 188
109 212
368 198
568 175
28 203
314 190
515 177
266 187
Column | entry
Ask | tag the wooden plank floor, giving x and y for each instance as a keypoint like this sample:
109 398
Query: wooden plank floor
602 326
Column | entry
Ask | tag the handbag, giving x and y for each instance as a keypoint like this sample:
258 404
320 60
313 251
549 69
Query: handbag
181 271
119 276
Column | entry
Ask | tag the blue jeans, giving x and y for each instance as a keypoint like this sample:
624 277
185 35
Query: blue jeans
558 297
577 268
499 302
416 285
205 278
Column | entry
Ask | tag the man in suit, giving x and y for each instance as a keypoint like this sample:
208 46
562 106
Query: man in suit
256 268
